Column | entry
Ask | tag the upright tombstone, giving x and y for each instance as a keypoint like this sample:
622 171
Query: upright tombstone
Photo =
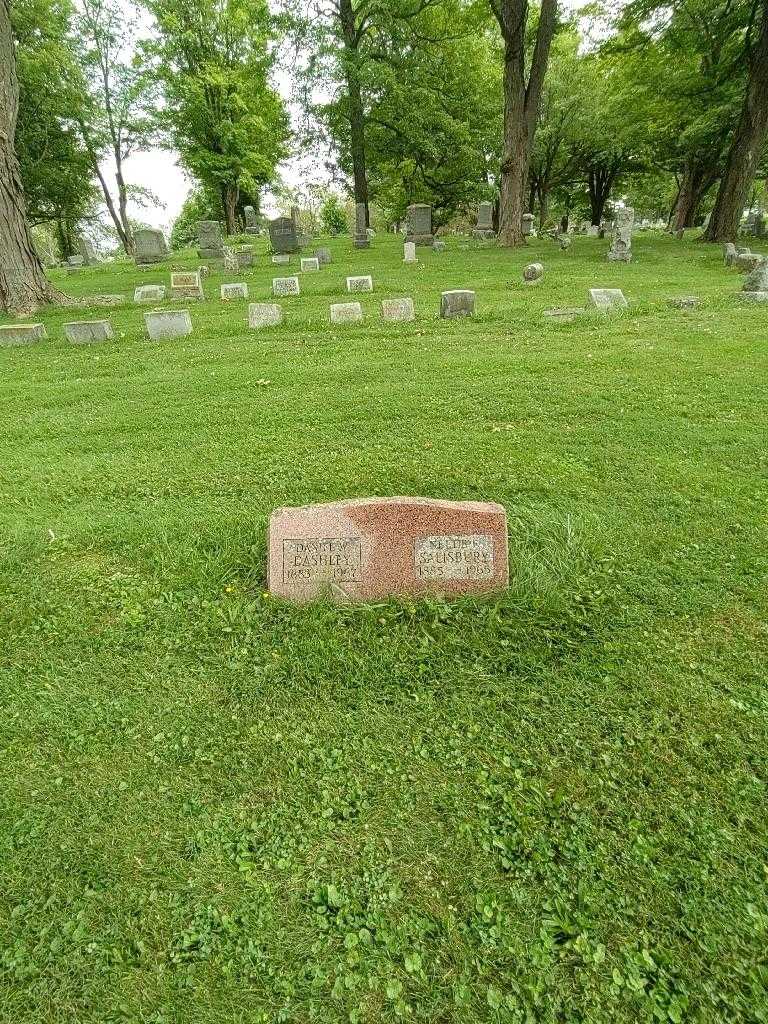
264 314
187 285
244 255
149 246
398 310
756 285
251 221
729 254
409 252
361 283
418 224
283 236
533 273
369 549
323 256
621 245
87 251
484 228
168 323
527 225
210 244
457 303
362 241
238 290
346 313
285 286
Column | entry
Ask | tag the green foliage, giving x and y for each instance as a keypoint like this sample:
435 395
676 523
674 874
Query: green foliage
333 216
213 62
55 169
545 806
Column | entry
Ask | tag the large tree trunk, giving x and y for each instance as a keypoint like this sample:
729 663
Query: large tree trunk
746 144
521 105
698 178
229 196
23 284
351 36
600 181
122 196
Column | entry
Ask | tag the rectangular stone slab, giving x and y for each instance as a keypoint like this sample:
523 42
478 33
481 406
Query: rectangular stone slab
170 323
364 283
346 313
234 291
285 286
608 298
264 314
371 548
21 334
83 332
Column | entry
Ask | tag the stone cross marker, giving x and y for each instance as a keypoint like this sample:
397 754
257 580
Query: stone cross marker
362 241
371 548
418 224
621 244
149 246
484 227
283 236
210 245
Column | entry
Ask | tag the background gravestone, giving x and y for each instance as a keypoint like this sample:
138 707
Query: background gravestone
283 236
87 251
149 246
418 224
210 245
621 244
362 240
484 227
251 220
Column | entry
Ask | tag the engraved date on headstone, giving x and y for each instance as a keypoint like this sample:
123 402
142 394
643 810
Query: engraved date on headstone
313 559
454 557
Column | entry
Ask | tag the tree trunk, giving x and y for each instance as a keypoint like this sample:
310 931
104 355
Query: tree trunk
351 39
600 182
521 105
229 197
543 205
746 144
122 197
23 284
698 178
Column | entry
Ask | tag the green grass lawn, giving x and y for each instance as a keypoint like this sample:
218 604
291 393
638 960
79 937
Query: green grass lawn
546 807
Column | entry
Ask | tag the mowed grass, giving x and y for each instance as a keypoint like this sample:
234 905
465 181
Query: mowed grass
545 807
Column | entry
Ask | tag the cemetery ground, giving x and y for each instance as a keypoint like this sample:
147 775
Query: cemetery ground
545 806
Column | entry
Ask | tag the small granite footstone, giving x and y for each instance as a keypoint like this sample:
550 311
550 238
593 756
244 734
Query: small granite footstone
360 284
373 548
323 256
285 286
684 302
187 285
168 323
398 310
564 314
234 291
149 293
346 313
438 245
310 263
264 314
281 257
409 252
84 332
533 273
608 298
459 302
21 334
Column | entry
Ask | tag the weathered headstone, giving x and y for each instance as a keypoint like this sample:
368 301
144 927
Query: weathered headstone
75 261
187 285
285 286
373 548
593 230
564 314
729 254
483 229
149 246
621 244
21 334
281 257
455 303
210 245
684 302
238 290
283 236
527 224
564 241
362 240
362 283
533 273
608 298
346 313
310 263
756 284
323 256
409 252
264 314
87 251
747 261
149 293
230 259
438 245
398 310
244 256
84 332
251 221
168 323
418 224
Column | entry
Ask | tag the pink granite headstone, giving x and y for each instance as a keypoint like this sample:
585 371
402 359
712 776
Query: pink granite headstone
371 548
